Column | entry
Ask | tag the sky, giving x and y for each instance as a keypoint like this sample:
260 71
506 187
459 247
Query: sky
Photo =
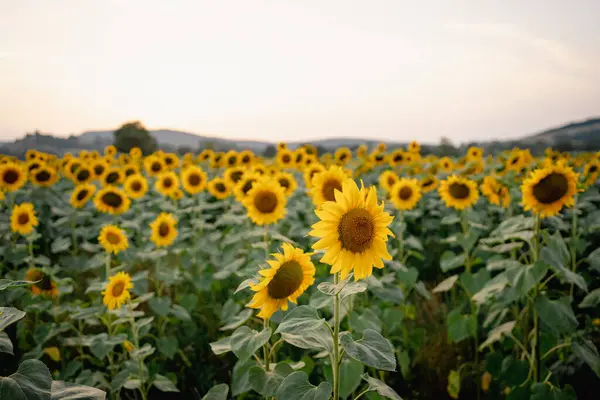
300 69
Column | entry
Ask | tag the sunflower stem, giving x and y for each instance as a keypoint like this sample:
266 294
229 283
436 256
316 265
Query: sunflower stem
573 244
266 353
464 224
107 265
401 237
536 318
336 337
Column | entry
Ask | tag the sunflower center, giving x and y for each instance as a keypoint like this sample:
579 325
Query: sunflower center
398 158
45 283
83 175
169 161
299 158
265 202
232 160
343 156
391 181
113 238
379 158
551 188
23 219
43 176
136 186
286 281
356 230
286 159
246 159
11 176
118 289
459 191
514 160
112 177
329 188
405 193
236 175
163 229
155 167
593 169
247 186
167 182
82 194
112 199
221 188
130 171
284 183
98 169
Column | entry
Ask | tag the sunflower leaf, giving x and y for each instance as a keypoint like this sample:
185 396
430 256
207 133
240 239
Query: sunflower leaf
381 388
218 392
32 381
9 315
245 341
373 350
297 387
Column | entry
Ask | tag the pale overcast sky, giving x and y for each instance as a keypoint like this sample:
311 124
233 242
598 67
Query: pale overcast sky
300 69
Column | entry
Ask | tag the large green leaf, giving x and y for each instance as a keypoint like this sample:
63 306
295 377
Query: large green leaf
160 305
221 346
586 351
32 381
525 278
474 282
245 341
497 333
71 391
373 350
450 261
164 384
300 320
446 284
556 315
381 388
543 391
168 346
240 377
297 387
267 383
367 320
591 300
218 392
350 372
237 320
7 283
556 255
344 288
461 326
9 315
5 344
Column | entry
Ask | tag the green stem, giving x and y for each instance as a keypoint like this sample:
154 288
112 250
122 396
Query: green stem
401 237
107 265
362 393
266 353
573 248
464 223
536 318
136 342
73 235
336 336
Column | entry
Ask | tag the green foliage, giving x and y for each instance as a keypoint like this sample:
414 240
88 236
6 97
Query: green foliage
134 134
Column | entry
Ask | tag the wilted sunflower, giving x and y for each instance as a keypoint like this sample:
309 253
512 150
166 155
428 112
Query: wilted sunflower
590 173
12 177
45 176
324 184
166 183
164 230
193 179
387 180
343 155
405 194
458 192
353 231
244 185
265 202
397 157
112 200
310 172
154 165
23 219
233 175
287 182
414 147
44 285
494 191
218 188
289 275
136 186
113 239
82 194
113 176
547 190
117 290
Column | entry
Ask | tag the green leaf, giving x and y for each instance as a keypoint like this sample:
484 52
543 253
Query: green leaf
491 289
240 377
461 326
5 344
164 384
497 333
245 341
300 320
587 352
9 315
450 261
392 319
367 320
344 288
591 300
556 315
373 350
297 387
221 346
238 320
524 279
556 255
7 283
32 381
474 282
446 284
145 351
160 305
542 391
72 391
267 383
218 392
229 308
180 313
168 346
60 244
350 372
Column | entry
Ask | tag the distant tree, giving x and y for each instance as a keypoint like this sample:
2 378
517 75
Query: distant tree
270 151
446 147
184 149
134 134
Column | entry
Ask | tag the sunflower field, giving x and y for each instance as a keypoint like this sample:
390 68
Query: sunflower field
365 274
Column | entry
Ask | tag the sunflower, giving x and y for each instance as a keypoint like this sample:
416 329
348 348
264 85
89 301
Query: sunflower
310 172
381 147
82 194
343 155
112 200
164 230
414 147
110 151
281 146
324 184
246 157
218 188
31 154
135 153
289 275
45 176
176 194
287 182
362 150
117 290
83 174
458 192
136 186
259 169
474 153
298 157
43 284
130 169
397 158
99 167
23 219
547 190
113 239
310 149
193 179
166 183
205 155
405 194
265 202
216 160
309 160
591 171
233 175
387 180
244 185
113 176
494 191
353 231
377 158
516 161
231 158
12 177
154 165
445 164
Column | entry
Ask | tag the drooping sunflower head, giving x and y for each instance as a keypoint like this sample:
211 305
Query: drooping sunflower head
233 175
265 202
287 182
387 179
310 172
324 184
136 186
117 290
547 190
458 192
244 185
113 239
112 200
218 188
44 176
405 194
82 194
414 147
343 156
193 179
23 219
397 157
164 230
43 284
289 275
495 192
166 183
353 231
154 165
12 177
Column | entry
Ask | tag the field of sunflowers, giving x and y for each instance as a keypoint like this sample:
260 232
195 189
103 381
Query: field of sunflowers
366 274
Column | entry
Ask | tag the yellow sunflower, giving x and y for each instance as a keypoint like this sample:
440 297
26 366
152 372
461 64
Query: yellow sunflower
130 169
310 172
193 179
246 157
205 155
166 183
23 219
231 158
343 155
113 176
82 194
259 169
44 285
474 153
377 158
547 190
216 160
287 182
362 150
446 164
83 174
113 239
281 146
45 176
117 290
233 175
99 167
516 161
397 157
110 151
387 180
154 165
241 189
265 202
218 188
429 183
381 147
171 160
289 275
31 154
112 200
176 194
136 186
324 184
494 191
405 194
164 230
458 192
353 231
299 155
590 173
12 177
135 153
414 147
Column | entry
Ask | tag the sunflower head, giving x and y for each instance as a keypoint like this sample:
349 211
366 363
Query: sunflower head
112 200
244 185
387 180
12 176
289 275
547 190
343 155
44 176
233 175
113 239
310 172
205 155
167 183
414 147
117 290
591 171
474 153
113 176
218 188
495 192
193 179
164 230
42 283
130 169
446 164
82 194
154 165
458 192
31 154
397 157
287 182
353 231
362 150
110 151
325 184
281 146
405 193
265 202
23 219
176 194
